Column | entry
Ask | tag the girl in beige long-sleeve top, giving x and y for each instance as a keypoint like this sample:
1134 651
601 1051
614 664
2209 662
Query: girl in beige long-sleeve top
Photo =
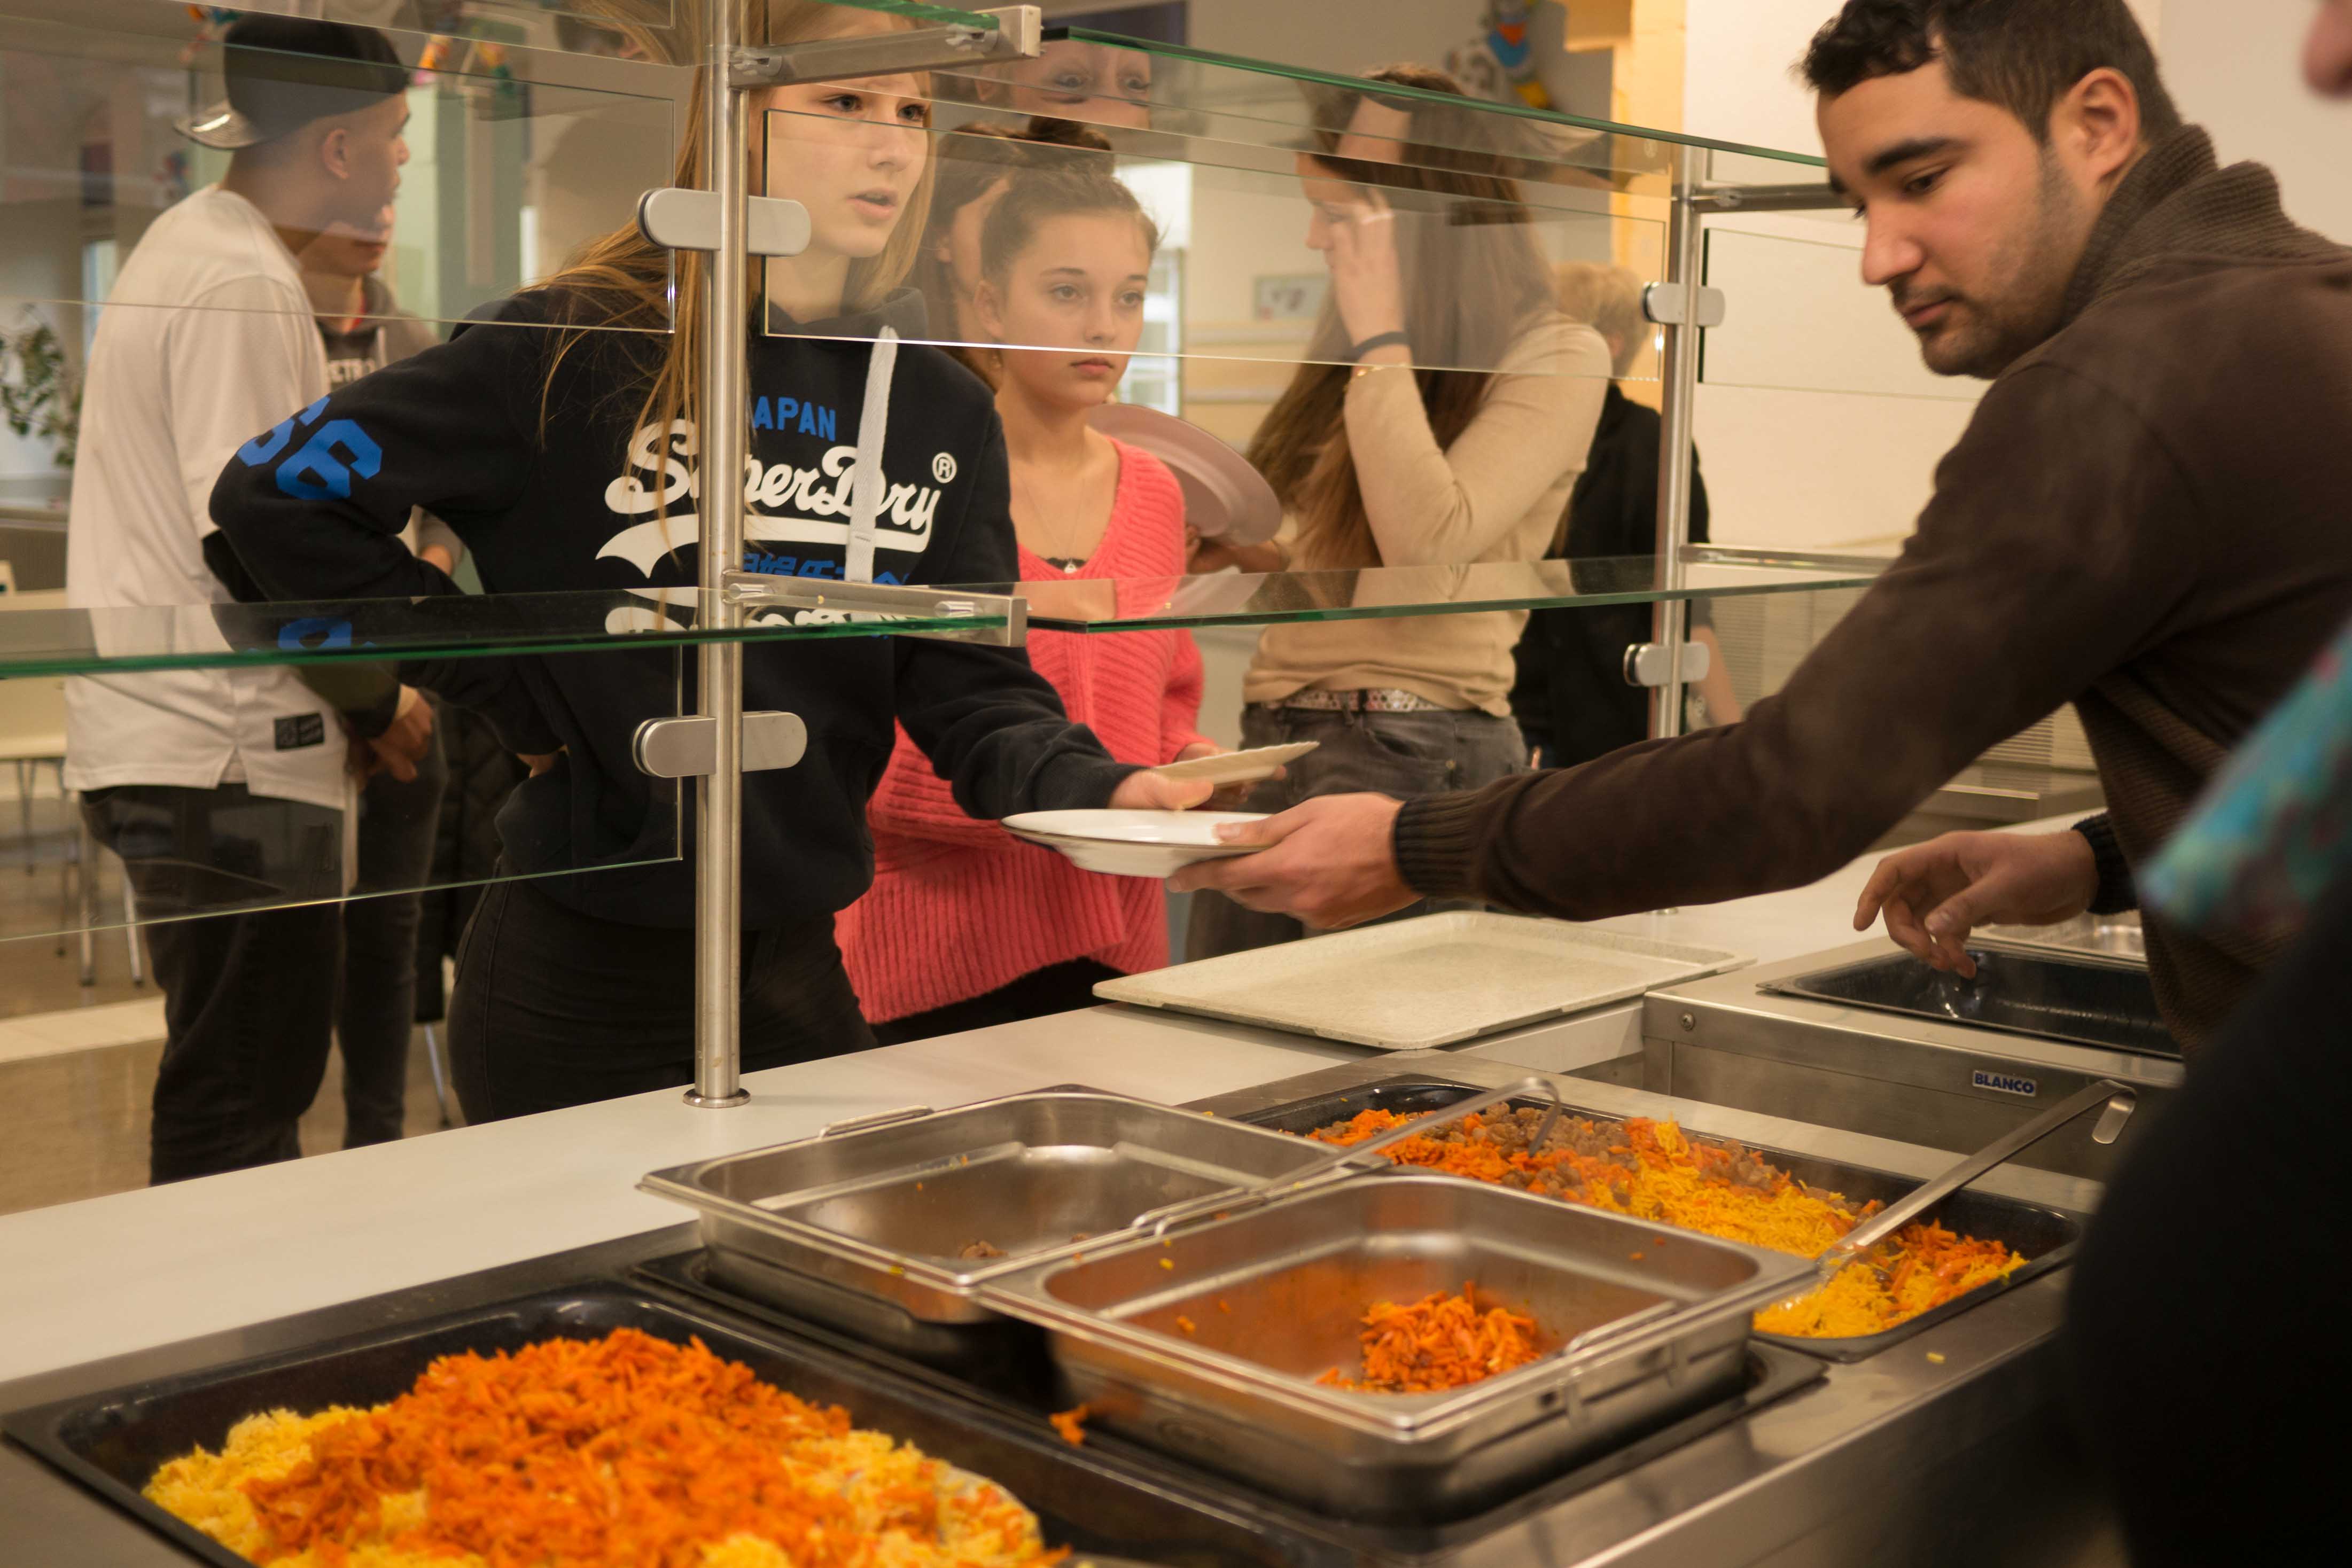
1379 464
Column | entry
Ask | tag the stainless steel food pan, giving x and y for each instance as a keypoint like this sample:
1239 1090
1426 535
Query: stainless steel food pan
865 1226
2045 1238
1208 1344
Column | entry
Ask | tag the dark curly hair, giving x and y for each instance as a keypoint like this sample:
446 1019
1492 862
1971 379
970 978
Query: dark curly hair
2022 54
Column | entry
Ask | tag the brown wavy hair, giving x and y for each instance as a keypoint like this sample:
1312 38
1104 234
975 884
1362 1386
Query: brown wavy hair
625 281
1473 280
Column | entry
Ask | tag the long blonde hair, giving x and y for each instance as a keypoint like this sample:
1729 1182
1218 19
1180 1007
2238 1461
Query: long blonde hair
1474 279
625 281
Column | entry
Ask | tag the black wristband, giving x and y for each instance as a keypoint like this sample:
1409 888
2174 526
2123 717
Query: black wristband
1379 341
2116 893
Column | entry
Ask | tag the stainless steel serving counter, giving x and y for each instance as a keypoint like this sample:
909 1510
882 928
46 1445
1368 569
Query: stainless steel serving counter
1945 1448
1941 1083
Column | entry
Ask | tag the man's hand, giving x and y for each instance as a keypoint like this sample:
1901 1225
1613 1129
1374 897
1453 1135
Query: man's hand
1328 862
1933 895
1149 791
539 762
405 740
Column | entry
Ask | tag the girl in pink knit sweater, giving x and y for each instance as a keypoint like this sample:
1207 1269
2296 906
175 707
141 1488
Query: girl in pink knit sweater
966 925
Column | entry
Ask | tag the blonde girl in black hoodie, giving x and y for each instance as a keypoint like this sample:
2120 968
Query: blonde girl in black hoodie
563 452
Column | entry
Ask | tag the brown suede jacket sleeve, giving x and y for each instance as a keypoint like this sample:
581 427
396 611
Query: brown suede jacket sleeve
2061 541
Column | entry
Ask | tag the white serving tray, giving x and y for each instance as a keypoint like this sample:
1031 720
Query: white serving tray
1430 981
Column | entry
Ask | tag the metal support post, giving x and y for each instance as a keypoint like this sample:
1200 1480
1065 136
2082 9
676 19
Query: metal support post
1678 376
733 232
718 794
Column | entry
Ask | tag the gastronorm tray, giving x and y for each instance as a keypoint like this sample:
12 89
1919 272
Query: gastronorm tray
1282 1527
2046 1237
1208 1343
861 1226
2082 998
1410 985
111 1442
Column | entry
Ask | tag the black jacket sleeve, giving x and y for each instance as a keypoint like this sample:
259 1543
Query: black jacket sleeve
314 507
993 727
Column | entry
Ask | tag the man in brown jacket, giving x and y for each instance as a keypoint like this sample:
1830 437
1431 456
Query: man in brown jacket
2149 516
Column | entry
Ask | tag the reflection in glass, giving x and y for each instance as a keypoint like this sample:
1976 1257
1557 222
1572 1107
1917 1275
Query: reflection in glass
1239 284
1135 83
505 177
1097 82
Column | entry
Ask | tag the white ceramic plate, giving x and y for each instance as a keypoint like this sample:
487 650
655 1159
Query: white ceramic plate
1225 497
1238 767
1130 843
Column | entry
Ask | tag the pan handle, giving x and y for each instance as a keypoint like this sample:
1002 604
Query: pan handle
2119 1100
879 1119
1161 1220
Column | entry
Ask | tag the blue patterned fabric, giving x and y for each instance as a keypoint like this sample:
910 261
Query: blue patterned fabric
2274 829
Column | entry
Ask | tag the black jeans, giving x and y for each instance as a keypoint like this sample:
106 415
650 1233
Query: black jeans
556 1008
1401 754
397 823
248 996
1056 988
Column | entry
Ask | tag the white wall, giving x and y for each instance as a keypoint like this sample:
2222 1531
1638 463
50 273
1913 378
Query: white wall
2235 66
1817 425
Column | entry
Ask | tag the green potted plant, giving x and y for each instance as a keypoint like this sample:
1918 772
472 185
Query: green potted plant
40 392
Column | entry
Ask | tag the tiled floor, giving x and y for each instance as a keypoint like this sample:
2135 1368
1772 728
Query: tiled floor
73 1124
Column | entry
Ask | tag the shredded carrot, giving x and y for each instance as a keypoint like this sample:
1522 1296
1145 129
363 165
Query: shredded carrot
1440 1342
1224 1305
1187 1324
1071 1424
622 1452
1653 1171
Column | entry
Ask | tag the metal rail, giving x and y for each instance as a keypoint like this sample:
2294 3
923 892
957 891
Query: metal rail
718 794
730 70
1678 374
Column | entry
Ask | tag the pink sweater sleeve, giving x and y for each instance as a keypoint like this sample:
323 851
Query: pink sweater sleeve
914 802
1180 706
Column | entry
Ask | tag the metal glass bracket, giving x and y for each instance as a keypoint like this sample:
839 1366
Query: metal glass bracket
1017 35
1663 304
687 747
1818 198
814 600
677 219
1650 664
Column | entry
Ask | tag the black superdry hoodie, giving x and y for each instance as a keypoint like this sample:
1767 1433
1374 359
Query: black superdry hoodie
553 489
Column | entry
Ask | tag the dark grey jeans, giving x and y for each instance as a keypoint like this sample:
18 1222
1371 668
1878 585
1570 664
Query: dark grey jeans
1401 754
248 995
397 824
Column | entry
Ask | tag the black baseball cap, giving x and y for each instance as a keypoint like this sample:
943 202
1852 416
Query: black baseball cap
286 72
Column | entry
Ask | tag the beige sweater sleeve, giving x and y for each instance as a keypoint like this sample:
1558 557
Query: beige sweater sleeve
1433 506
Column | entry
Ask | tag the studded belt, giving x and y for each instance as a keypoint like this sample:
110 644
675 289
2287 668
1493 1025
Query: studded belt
1361 700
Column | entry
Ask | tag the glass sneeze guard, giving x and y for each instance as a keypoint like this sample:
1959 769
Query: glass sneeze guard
39 636
1109 80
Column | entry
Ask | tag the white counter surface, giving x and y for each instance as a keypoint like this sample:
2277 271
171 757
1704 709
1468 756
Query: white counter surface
116 1274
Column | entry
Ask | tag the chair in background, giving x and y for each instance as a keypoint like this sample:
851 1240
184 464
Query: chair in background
33 740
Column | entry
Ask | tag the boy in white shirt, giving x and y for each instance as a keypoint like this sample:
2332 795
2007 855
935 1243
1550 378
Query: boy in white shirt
228 788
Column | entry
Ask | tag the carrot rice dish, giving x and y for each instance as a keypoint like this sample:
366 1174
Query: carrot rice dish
1443 1340
622 1452
1650 1170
